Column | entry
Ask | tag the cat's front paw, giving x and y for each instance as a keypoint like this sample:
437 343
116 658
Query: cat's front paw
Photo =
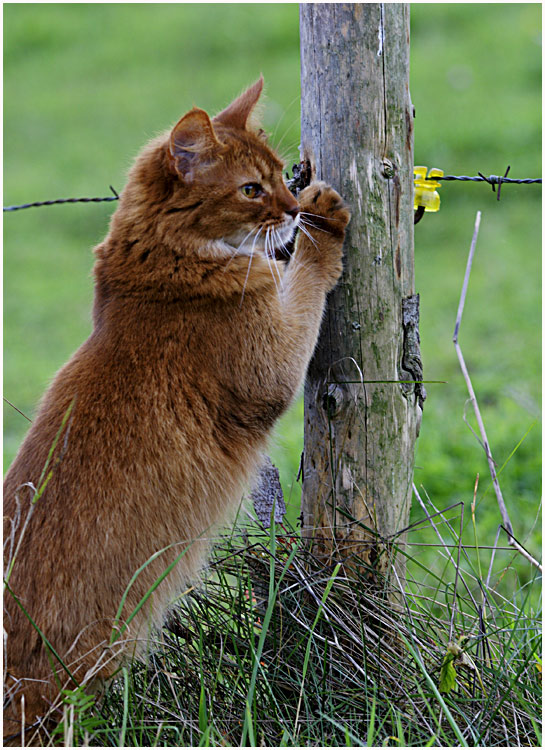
322 220
322 207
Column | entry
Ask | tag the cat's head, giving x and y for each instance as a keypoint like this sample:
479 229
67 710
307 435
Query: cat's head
218 181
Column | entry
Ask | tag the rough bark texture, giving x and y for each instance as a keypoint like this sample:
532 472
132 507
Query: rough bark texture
357 125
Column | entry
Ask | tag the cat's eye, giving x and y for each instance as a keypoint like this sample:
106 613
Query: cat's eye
252 190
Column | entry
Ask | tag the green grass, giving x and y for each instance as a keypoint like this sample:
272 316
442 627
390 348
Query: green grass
277 650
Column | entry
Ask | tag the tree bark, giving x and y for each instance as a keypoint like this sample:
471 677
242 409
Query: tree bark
357 133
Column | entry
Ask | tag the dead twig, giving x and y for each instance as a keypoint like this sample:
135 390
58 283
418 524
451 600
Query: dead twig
501 503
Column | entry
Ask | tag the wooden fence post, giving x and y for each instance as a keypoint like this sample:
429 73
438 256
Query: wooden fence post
357 125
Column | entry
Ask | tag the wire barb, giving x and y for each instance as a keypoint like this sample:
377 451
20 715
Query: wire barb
493 179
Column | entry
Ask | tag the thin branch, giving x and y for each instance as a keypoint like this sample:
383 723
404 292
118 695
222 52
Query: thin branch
16 409
503 509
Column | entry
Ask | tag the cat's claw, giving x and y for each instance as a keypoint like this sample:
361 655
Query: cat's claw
320 201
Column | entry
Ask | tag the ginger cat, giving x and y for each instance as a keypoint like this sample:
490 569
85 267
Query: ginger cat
159 421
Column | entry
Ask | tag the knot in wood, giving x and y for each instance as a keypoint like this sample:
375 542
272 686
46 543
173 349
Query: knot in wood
388 168
333 400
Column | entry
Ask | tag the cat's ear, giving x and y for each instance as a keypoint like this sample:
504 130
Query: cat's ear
237 113
192 142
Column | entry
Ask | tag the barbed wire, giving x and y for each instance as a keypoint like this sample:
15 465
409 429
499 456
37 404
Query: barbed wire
492 180
36 204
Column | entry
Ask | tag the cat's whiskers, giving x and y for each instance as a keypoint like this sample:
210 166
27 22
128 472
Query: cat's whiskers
279 242
305 231
254 229
310 224
269 255
236 250
277 237
268 250
249 265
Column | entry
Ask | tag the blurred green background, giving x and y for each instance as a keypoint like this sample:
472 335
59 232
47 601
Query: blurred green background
86 85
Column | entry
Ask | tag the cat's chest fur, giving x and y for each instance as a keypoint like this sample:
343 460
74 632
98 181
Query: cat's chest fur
194 377
207 363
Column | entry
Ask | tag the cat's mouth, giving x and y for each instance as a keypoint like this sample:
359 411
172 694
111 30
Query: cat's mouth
283 248
279 244
273 241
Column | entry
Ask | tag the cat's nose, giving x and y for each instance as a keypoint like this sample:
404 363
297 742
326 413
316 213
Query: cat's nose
293 210
288 203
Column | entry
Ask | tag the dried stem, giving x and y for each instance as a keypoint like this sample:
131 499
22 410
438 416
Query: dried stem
503 510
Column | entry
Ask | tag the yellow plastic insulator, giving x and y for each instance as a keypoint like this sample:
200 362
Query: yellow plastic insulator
425 188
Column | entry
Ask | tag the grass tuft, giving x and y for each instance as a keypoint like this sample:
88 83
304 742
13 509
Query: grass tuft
277 649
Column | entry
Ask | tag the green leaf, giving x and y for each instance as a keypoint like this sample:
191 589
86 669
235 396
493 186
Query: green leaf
447 677
203 713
